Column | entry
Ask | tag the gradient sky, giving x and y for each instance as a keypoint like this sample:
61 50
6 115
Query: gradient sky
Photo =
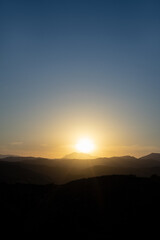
74 68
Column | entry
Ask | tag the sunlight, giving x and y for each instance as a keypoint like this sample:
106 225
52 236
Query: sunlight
85 145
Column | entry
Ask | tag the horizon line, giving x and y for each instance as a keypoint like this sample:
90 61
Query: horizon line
93 157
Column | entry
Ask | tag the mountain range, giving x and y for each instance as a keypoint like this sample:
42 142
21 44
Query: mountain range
94 199
59 171
77 155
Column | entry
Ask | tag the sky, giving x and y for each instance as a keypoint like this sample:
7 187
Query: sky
79 68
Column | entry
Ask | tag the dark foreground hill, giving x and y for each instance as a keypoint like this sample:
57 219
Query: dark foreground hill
110 207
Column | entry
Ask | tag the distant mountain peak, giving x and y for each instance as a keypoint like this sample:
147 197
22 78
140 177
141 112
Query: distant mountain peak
6 156
124 157
77 155
153 156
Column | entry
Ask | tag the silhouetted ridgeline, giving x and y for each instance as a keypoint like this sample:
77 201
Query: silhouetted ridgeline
110 207
60 171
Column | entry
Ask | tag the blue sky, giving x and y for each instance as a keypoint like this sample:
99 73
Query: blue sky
73 68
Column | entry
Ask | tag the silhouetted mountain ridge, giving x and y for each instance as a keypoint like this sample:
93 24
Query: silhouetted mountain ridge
13 172
152 156
78 155
5 156
60 171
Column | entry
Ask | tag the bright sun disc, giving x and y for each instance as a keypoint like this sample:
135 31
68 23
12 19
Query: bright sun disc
85 145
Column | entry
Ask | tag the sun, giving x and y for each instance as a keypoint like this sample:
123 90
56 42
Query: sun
85 145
